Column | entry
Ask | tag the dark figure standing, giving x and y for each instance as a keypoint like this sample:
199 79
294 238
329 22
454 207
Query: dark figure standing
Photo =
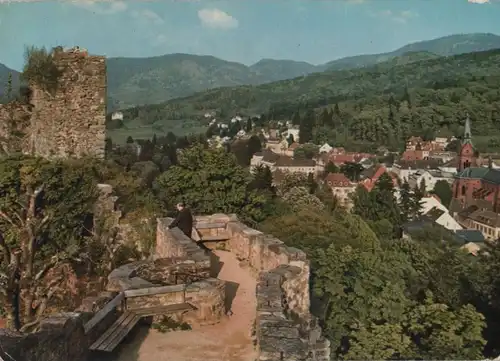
184 220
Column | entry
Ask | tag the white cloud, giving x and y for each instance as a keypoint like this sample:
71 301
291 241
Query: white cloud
399 16
479 1
102 7
159 40
149 16
215 18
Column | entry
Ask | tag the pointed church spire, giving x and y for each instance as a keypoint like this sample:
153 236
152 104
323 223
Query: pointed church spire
467 132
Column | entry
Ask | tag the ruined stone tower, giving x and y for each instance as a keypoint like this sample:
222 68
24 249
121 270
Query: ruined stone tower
71 121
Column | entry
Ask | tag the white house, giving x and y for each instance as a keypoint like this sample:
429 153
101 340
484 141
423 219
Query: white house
117 116
434 209
443 218
292 131
403 173
430 177
431 202
325 148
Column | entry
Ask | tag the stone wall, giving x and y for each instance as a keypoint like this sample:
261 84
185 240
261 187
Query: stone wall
72 121
285 328
69 122
182 264
61 336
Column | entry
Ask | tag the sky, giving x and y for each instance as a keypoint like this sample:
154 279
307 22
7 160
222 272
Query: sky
316 31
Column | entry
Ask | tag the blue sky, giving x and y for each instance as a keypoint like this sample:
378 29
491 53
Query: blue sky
239 30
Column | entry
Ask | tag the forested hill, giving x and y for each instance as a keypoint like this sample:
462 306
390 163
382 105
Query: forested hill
445 46
433 93
134 81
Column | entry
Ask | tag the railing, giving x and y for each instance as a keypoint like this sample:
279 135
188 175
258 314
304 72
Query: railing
121 299
99 316
151 291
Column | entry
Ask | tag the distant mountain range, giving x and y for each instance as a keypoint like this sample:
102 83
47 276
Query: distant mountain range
136 81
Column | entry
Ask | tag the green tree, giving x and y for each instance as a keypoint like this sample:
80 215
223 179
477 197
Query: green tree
423 187
351 170
8 88
291 180
405 201
210 181
306 151
43 210
248 126
130 140
254 145
442 189
442 333
296 120
263 179
301 198
171 138
306 127
417 204
331 168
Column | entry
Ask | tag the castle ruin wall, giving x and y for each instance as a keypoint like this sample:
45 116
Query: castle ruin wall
285 328
71 122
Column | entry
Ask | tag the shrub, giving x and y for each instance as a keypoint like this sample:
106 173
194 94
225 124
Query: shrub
39 68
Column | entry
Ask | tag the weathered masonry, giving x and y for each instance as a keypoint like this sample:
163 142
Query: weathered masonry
69 122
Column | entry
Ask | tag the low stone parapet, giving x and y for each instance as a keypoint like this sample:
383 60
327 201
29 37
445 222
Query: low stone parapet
285 328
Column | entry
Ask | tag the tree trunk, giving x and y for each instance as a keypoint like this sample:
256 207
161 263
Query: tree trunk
28 297
13 321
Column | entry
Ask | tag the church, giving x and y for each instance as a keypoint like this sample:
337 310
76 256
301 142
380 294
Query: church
474 185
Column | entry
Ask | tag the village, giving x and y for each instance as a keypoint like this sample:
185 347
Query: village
423 163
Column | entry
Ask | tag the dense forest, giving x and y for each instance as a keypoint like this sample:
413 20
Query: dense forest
383 103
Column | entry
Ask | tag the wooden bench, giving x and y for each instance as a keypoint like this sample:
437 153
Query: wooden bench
110 339
163 310
116 333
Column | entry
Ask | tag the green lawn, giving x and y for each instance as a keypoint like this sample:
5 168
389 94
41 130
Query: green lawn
119 136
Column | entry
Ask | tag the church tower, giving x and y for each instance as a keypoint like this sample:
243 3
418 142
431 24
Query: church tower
467 156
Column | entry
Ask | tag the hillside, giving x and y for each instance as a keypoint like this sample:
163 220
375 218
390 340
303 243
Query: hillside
444 46
275 70
433 93
134 81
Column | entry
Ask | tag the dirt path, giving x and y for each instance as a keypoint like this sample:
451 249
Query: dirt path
229 340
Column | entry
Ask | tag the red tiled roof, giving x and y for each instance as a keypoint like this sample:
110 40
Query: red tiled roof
337 180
